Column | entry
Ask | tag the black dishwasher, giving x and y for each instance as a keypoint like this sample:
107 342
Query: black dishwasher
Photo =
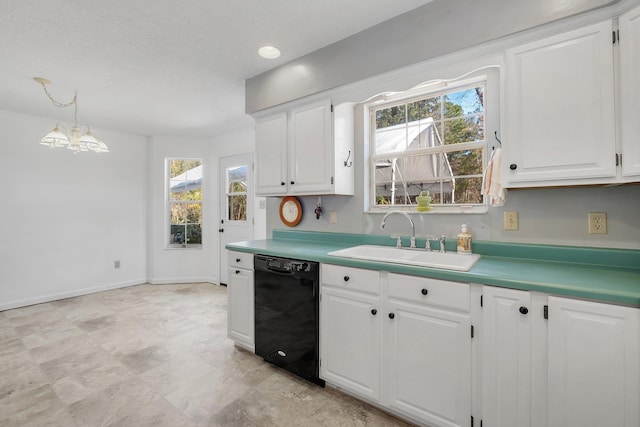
287 314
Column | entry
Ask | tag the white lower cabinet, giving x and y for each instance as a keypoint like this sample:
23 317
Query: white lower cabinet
350 329
350 350
398 341
240 300
594 361
558 362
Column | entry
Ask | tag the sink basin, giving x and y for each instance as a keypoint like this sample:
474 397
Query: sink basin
417 257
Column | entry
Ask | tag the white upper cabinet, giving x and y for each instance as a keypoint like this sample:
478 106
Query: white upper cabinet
630 92
559 109
271 154
303 151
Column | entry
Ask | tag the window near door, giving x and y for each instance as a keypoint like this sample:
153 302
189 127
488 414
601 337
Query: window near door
236 190
184 202
433 142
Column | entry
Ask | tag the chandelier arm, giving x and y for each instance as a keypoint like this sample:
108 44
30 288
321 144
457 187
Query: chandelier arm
60 104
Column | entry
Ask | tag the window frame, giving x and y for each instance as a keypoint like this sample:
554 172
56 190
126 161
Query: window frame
168 202
422 92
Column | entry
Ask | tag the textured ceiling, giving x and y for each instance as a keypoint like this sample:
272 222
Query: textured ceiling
164 67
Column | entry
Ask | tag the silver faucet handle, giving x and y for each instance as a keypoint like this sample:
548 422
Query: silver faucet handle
443 239
398 238
427 243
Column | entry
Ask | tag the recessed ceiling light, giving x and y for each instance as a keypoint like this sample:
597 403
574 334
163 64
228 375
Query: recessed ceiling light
269 52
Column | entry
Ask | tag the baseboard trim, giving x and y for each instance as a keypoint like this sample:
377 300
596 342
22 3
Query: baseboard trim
180 280
70 294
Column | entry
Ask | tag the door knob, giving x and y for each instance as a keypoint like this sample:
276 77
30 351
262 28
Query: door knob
346 278
293 182
391 315
513 166
524 310
424 291
374 311
237 259
237 271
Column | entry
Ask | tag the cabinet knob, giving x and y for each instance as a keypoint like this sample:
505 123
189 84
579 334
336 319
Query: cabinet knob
424 291
374 311
237 271
346 278
391 315
513 166
293 182
524 310
237 259
282 183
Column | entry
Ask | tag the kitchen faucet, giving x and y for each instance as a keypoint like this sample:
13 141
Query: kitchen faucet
406 215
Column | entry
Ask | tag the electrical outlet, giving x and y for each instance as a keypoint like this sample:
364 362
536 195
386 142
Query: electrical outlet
511 221
116 264
597 223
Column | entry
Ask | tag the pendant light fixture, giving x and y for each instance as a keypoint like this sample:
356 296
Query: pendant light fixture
75 140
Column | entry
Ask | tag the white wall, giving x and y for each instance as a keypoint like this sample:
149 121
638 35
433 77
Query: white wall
191 265
180 265
67 217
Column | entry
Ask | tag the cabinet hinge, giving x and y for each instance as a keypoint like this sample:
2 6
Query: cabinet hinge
332 108
545 312
471 420
615 35
618 159
472 331
481 300
331 180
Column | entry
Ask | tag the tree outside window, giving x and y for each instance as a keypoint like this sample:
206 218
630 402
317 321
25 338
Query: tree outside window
185 202
435 142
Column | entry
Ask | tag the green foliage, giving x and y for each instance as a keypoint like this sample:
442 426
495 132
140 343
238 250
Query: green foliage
459 118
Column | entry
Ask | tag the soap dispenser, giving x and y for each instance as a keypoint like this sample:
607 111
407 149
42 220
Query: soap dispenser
464 241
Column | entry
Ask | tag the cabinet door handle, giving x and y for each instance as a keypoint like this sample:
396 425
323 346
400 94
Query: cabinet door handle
513 166
391 315
524 310
346 278
282 183
293 182
374 311
424 291
237 271
237 259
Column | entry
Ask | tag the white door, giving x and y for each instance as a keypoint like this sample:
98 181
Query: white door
310 149
630 92
236 204
271 155
429 363
559 111
350 340
506 357
594 363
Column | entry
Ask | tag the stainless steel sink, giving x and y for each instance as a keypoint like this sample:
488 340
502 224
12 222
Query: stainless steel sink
417 257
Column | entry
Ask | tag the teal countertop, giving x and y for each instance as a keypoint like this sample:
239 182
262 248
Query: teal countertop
608 275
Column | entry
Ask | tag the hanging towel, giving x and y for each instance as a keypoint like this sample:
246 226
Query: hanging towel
492 179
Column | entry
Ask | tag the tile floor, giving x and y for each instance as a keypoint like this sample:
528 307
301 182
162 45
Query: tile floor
151 355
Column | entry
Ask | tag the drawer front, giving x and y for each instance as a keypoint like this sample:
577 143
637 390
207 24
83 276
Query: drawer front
240 260
422 290
356 279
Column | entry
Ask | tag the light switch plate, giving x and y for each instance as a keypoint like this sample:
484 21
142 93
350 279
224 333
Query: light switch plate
511 221
333 217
